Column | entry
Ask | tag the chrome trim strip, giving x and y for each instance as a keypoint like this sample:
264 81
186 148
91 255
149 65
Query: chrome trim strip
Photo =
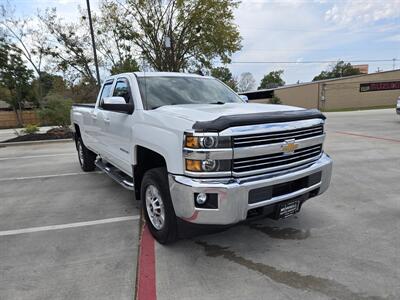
192 132
242 152
203 154
297 131
208 174
259 140
284 197
271 169
270 128
248 164
279 155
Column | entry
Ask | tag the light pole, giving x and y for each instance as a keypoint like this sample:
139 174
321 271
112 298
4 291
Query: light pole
93 43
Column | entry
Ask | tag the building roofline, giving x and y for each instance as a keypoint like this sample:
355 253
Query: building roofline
318 81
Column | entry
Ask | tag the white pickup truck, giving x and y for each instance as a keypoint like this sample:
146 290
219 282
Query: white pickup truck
196 153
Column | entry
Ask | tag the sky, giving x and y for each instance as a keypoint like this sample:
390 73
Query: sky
294 31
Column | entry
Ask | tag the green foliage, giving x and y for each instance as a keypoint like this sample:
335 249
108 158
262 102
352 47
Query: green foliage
225 75
50 83
272 80
73 53
176 35
340 69
15 77
275 100
127 65
30 129
56 111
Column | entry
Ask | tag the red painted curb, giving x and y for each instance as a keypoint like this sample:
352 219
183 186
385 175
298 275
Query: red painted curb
368 136
146 284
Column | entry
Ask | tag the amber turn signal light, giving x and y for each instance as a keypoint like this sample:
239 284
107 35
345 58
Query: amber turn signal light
193 165
192 142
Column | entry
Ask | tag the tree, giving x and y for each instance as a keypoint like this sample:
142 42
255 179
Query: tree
176 35
27 38
272 80
225 75
72 52
246 82
118 54
50 83
56 112
126 65
14 77
340 69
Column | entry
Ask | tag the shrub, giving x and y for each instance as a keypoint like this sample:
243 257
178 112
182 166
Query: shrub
56 111
275 100
30 129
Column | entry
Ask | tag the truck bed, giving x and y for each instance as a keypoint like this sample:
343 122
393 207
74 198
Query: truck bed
90 105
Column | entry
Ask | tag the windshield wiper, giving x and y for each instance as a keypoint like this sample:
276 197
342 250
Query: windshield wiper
218 102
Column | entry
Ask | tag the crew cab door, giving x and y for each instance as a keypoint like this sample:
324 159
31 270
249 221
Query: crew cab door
118 129
98 119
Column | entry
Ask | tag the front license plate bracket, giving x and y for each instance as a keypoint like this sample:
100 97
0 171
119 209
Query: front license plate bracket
287 209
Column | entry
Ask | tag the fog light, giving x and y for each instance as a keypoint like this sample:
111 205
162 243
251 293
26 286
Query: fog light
201 198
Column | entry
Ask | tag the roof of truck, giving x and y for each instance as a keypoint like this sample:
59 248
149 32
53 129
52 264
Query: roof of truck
175 74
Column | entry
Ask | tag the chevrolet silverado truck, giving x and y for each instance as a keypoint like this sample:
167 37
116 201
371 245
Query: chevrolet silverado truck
195 153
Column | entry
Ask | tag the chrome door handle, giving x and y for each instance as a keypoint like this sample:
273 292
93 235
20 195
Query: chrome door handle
107 120
94 116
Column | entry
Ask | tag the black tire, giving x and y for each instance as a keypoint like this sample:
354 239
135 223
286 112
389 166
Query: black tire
158 178
85 156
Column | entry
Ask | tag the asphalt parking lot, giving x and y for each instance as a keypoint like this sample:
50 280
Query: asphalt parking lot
69 235
93 253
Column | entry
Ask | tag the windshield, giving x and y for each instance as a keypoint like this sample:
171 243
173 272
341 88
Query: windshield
160 91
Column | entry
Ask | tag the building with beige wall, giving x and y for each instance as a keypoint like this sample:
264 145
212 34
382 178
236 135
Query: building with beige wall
359 91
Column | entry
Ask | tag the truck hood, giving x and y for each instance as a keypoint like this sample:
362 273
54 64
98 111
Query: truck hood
208 112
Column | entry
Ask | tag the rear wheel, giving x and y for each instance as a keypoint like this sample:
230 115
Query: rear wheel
85 156
157 206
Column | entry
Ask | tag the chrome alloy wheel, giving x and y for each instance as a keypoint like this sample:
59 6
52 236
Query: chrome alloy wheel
155 207
80 152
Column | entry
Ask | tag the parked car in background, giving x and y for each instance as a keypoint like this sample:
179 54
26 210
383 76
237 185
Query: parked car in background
398 106
195 153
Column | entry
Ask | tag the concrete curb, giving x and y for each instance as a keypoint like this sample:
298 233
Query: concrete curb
35 142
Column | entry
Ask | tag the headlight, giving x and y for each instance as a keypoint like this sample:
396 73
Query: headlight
208 165
207 142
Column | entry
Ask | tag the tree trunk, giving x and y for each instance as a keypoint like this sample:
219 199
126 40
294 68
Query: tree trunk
18 116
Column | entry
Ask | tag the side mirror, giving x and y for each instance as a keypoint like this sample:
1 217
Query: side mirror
114 100
117 104
244 98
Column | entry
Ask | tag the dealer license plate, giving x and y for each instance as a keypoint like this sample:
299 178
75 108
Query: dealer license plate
287 209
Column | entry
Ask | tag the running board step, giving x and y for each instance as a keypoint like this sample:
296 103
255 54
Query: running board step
115 174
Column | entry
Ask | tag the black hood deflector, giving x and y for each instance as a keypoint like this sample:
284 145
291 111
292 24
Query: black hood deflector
225 122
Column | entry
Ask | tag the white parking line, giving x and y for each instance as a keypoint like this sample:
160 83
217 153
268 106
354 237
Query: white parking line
36 156
48 176
69 225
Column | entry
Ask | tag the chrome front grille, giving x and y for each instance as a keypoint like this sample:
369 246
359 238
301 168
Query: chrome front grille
276 161
266 152
276 137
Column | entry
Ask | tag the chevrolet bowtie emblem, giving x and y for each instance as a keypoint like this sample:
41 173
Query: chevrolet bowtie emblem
289 146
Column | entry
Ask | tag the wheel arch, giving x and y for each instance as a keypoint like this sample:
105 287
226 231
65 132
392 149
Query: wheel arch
145 159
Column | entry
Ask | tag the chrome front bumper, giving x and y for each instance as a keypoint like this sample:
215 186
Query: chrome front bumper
233 193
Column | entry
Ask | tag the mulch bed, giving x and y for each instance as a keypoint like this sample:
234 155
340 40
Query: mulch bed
52 134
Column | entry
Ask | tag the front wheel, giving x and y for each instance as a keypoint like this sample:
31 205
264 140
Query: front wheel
86 157
157 206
